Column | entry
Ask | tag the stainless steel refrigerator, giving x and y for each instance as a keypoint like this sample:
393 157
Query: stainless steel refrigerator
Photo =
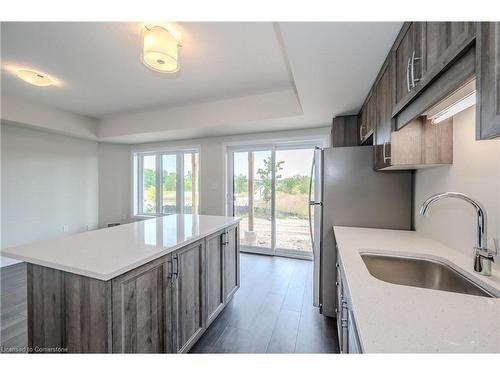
347 191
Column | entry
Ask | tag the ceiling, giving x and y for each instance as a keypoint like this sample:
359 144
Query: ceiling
101 72
327 67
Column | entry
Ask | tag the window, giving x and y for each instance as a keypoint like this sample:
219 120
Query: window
166 183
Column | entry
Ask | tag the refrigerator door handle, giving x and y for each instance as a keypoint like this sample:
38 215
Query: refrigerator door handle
311 202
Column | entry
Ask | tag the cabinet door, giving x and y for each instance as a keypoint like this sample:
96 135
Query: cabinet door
140 309
371 113
214 276
383 128
363 124
488 80
444 40
353 344
231 262
410 65
188 295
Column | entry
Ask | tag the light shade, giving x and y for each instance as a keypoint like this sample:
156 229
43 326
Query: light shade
160 50
35 78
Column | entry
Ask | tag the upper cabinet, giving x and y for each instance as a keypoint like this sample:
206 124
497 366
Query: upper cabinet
367 119
409 61
345 131
425 51
383 126
428 64
488 80
443 41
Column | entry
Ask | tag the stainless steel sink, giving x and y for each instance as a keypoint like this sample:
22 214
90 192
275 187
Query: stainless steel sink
420 272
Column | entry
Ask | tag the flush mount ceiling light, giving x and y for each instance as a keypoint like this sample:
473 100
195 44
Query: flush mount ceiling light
34 78
160 50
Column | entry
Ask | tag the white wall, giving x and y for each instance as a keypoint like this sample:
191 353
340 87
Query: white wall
114 183
39 116
476 172
48 180
212 160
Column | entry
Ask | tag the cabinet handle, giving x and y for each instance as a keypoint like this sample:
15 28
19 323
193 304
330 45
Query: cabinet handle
386 158
413 79
224 240
176 272
170 269
408 74
361 132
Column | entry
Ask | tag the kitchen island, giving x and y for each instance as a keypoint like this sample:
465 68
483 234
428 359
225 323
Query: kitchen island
152 286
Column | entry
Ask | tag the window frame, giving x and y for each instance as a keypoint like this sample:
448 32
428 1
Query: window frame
138 179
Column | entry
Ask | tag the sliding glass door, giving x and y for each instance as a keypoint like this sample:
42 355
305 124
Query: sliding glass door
252 198
269 190
293 168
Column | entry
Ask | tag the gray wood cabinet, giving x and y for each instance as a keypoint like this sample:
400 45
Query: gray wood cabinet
383 126
349 341
231 262
68 311
410 62
163 306
444 41
367 119
188 308
345 131
488 80
214 275
140 309
427 62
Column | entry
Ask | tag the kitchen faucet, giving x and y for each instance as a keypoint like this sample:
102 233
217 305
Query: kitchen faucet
482 255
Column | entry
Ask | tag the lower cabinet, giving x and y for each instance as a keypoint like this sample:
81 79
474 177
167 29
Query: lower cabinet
140 309
346 324
166 305
214 275
231 262
163 306
188 296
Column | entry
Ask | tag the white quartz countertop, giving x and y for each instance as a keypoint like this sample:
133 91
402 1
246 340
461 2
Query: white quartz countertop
393 318
106 253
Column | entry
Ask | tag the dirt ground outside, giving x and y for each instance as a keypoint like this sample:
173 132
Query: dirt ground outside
291 233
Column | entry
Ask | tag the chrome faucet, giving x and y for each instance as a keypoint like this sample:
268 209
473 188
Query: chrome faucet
482 255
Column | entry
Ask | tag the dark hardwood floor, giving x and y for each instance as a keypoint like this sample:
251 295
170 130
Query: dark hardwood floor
272 312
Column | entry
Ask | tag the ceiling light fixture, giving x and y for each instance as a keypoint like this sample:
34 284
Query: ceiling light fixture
34 78
160 50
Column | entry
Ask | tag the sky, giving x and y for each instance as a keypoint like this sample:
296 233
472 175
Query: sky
296 161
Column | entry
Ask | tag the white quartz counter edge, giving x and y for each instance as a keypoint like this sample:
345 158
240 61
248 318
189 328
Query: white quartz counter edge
394 318
15 253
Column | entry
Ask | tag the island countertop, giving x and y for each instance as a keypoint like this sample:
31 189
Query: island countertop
106 253
393 318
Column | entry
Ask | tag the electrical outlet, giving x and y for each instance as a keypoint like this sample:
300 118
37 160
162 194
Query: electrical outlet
65 228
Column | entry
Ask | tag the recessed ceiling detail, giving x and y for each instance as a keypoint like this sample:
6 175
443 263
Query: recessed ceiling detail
236 77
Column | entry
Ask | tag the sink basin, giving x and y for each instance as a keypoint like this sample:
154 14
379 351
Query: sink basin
420 272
